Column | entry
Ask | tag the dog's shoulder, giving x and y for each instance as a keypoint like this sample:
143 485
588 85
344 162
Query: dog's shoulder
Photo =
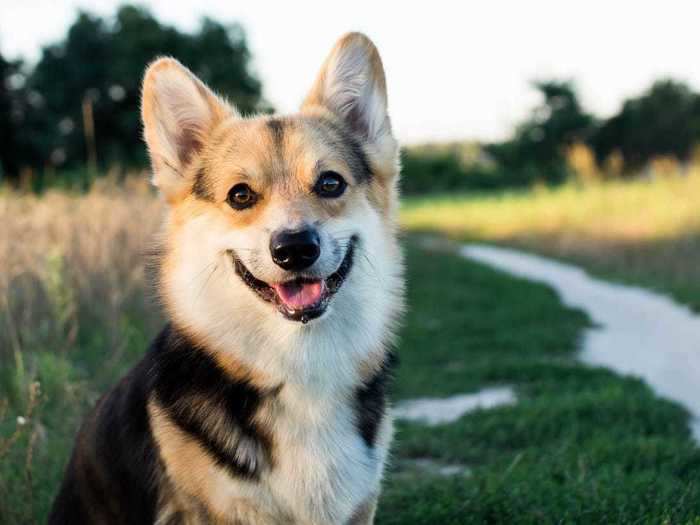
215 406
178 410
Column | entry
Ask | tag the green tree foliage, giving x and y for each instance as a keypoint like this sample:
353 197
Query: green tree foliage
536 152
537 148
447 168
101 62
13 116
665 120
6 115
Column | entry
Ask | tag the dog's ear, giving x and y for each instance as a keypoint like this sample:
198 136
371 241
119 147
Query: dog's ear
351 84
179 112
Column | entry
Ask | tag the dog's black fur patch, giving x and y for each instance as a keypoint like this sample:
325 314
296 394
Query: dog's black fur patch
345 141
183 375
200 187
371 400
109 478
276 127
114 471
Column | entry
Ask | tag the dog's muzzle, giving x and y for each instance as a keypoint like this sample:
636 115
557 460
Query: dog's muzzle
301 298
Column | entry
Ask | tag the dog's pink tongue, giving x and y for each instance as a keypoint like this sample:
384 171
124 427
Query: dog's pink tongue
298 295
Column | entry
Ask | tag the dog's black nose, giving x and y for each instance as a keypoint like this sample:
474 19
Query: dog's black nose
295 250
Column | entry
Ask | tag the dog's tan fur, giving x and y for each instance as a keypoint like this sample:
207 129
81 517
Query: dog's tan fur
316 439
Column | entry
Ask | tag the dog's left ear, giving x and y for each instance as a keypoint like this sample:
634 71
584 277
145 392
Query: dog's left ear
351 84
179 113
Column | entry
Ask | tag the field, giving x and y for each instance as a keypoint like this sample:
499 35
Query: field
580 445
75 314
643 231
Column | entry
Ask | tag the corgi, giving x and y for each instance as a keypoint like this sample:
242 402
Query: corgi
264 399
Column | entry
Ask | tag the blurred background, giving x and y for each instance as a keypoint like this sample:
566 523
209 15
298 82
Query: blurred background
567 130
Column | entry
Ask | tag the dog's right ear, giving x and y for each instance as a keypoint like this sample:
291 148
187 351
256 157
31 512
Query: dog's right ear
178 112
351 84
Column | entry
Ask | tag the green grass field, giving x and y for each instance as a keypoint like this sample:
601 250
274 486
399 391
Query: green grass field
644 232
582 445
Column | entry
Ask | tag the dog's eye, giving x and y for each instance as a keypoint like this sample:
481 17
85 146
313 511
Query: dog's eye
330 185
241 196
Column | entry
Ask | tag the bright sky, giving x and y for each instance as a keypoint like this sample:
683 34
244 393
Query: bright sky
455 70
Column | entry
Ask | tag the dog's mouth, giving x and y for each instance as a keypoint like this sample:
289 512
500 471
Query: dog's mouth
302 298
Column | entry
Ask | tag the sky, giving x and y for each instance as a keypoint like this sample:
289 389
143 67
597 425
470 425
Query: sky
456 70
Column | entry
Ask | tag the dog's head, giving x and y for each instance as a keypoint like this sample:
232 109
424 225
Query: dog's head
278 221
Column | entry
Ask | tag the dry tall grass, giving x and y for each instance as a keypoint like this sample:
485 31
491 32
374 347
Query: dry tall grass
74 311
69 257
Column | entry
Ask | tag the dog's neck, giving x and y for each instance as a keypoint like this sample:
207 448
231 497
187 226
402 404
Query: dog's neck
327 356
323 360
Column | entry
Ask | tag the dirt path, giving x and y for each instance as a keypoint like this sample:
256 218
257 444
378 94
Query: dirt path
438 411
637 331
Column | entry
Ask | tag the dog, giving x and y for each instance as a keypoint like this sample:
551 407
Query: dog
264 399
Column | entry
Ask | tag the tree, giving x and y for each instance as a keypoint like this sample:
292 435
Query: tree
97 68
538 146
7 119
15 149
665 120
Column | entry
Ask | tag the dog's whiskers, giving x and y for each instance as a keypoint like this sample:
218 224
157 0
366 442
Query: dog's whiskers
206 281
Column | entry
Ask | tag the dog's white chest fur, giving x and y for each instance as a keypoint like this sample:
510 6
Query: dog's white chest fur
322 471
325 471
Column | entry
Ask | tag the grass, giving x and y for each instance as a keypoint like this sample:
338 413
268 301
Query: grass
644 231
581 445
74 315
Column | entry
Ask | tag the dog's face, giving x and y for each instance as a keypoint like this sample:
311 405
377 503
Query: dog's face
276 221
